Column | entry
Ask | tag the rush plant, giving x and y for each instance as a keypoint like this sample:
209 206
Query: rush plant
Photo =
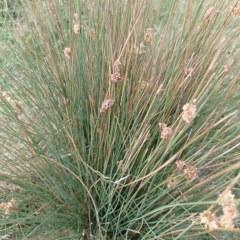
119 120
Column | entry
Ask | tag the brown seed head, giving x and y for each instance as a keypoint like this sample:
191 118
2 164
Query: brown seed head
90 8
76 16
229 208
230 212
189 111
115 77
226 222
120 165
189 72
209 219
209 14
166 131
148 35
15 105
76 28
8 207
91 33
191 173
180 165
144 85
106 105
171 183
235 10
67 52
140 49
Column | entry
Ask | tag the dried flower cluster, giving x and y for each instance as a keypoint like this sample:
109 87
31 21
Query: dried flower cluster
191 173
148 35
90 8
180 165
106 105
65 101
209 219
8 207
229 208
67 52
91 33
115 77
76 25
189 111
144 85
166 131
171 183
139 49
76 16
209 14
230 213
120 165
12 102
189 72
235 10
76 28
227 67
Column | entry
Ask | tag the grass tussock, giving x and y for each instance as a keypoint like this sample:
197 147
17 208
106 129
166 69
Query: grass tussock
119 120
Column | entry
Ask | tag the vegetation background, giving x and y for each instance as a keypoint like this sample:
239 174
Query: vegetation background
119 119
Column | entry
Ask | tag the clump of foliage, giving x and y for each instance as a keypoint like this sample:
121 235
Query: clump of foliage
9 12
118 122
